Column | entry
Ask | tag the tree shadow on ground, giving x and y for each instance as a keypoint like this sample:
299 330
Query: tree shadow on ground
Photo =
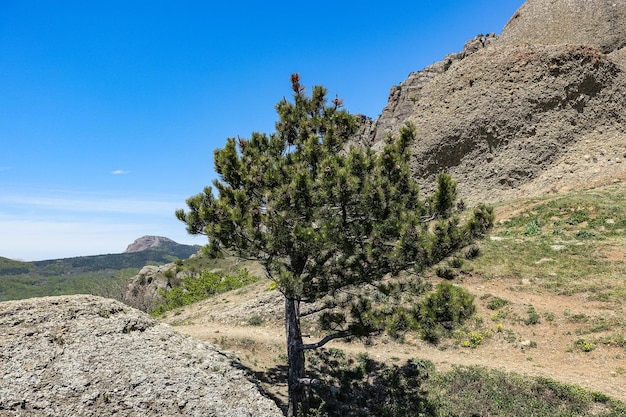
272 382
358 386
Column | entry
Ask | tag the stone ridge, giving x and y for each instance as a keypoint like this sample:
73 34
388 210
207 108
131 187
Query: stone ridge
402 98
90 356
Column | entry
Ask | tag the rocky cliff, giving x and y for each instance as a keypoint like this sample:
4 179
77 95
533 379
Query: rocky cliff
541 107
89 356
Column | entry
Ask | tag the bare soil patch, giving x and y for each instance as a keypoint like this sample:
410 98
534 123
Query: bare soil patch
547 348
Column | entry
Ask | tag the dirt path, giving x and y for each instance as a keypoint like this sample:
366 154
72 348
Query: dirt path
543 349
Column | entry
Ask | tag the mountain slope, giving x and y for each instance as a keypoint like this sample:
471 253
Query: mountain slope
597 23
548 288
539 110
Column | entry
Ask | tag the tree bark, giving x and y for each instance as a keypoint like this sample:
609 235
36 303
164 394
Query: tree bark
295 355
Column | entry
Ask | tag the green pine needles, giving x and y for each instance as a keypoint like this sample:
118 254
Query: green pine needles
326 218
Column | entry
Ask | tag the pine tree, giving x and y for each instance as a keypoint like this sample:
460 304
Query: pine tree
322 216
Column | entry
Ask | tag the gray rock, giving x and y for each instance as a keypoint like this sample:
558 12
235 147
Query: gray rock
142 290
90 356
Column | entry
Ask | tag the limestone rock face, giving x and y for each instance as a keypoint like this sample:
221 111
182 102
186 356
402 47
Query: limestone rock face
90 356
540 108
499 118
597 23
403 97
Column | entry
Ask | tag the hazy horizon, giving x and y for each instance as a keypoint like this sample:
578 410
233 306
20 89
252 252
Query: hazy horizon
111 111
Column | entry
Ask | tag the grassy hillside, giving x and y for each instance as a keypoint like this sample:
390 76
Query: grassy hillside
571 246
85 274
566 244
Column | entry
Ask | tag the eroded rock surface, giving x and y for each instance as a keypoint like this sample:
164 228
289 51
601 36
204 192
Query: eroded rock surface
90 356
541 107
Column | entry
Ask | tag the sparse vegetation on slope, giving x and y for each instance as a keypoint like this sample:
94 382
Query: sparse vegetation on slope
22 286
207 284
327 219
565 244
478 391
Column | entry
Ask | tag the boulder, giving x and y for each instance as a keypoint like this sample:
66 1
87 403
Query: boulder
89 356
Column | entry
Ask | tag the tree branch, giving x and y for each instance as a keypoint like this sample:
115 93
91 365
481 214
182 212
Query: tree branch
338 335
316 310
308 381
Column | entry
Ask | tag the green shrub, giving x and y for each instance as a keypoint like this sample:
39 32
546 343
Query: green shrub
584 345
472 252
206 285
400 322
444 197
444 309
533 228
455 262
584 234
533 316
445 273
312 412
473 339
496 303
480 222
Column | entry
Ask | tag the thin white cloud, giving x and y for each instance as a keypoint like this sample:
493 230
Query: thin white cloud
41 238
120 172
95 204
58 224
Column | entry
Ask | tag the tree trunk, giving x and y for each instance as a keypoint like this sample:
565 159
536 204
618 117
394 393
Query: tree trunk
295 355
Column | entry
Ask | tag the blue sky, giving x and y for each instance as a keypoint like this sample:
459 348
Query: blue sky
110 111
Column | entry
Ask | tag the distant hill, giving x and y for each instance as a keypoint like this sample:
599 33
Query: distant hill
86 274
150 242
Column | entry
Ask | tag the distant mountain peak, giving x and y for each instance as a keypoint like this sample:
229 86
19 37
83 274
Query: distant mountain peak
147 242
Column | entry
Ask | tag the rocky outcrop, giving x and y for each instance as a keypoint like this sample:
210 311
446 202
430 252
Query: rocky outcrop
403 97
539 108
147 242
142 290
501 128
89 356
